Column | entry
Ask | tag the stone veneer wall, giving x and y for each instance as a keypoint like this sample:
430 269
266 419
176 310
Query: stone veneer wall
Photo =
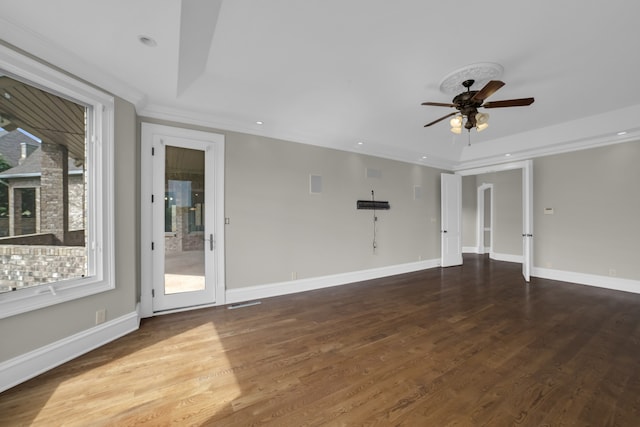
54 190
76 202
23 266
181 240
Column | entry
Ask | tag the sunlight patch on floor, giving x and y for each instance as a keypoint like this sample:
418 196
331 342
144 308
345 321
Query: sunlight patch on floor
199 387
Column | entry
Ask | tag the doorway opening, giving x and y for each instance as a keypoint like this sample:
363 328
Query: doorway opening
526 167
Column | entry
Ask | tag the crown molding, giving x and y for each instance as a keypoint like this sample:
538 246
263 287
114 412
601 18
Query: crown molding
574 135
179 116
567 147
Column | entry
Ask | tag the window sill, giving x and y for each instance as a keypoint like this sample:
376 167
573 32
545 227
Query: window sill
24 300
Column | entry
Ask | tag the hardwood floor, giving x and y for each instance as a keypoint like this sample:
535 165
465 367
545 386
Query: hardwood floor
465 346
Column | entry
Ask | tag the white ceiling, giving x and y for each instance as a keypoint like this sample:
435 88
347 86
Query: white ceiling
338 72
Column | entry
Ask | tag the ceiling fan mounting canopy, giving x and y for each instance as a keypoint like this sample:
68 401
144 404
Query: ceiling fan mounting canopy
467 103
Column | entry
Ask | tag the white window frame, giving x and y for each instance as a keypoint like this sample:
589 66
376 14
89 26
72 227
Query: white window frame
100 199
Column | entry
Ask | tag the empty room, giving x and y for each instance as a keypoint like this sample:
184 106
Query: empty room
290 213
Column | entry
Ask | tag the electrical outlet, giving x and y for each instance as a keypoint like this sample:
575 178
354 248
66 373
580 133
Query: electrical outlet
294 275
101 316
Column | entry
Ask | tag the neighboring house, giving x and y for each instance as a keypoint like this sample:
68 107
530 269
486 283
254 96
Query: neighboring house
15 146
23 182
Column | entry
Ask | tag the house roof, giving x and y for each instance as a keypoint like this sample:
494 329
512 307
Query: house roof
338 72
31 167
10 146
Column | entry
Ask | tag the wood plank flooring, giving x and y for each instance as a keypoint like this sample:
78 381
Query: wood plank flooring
465 346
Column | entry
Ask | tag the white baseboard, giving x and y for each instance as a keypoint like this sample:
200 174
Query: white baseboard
506 257
26 366
607 282
475 250
302 285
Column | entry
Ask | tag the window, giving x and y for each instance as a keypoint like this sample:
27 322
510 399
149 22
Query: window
56 150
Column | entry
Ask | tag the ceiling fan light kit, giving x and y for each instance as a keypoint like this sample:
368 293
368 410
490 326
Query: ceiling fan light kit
467 103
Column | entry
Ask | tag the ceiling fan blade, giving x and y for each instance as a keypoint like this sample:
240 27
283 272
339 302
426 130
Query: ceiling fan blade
509 103
441 119
488 90
438 104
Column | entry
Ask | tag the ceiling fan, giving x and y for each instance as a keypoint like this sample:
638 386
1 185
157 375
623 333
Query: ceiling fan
467 104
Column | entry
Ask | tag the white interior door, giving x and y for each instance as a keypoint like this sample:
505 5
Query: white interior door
527 220
184 241
451 218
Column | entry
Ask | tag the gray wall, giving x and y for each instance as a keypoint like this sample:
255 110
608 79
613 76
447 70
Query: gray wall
469 209
277 227
28 331
595 195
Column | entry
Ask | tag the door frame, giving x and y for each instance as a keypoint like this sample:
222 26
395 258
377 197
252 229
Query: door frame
148 132
527 206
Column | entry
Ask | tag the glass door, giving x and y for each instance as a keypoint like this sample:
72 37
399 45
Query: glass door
184 241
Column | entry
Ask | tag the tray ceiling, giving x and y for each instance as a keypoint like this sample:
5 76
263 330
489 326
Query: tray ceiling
338 73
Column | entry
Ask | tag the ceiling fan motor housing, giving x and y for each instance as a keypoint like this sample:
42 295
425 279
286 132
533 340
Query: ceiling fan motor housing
468 106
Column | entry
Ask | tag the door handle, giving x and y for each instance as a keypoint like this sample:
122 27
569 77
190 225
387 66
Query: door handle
444 231
211 242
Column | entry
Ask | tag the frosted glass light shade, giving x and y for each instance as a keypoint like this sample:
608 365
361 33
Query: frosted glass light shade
482 126
482 118
456 122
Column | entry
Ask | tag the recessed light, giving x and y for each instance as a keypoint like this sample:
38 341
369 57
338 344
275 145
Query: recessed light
147 41
622 133
424 157
507 155
259 122
360 143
